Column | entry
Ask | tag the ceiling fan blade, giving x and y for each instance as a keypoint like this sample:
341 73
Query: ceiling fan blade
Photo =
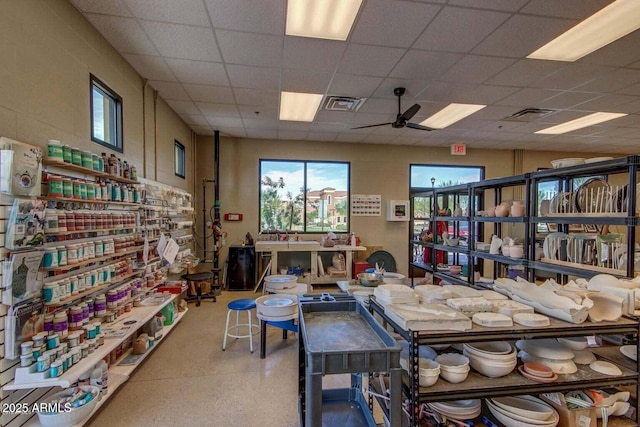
420 127
372 126
411 111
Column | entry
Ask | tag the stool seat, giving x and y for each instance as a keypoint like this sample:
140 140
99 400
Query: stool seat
233 331
198 277
242 304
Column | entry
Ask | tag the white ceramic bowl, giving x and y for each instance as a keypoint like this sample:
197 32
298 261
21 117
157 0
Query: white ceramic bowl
75 415
515 420
393 278
490 368
527 406
496 350
428 380
453 362
574 343
428 366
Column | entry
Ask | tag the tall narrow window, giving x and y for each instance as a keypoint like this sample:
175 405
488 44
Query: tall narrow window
106 115
179 159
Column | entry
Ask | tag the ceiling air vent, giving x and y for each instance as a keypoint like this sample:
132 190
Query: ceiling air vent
342 103
529 114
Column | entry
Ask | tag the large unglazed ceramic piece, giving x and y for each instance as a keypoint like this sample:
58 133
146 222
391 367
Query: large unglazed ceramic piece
531 319
557 366
584 357
630 351
606 307
460 291
433 293
543 300
493 295
606 368
527 406
574 343
470 305
515 418
492 320
547 348
393 290
510 308
427 317
609 284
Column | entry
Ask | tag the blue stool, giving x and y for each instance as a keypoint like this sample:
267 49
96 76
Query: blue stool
233 331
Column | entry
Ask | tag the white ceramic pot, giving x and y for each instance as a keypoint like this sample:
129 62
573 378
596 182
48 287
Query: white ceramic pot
277 305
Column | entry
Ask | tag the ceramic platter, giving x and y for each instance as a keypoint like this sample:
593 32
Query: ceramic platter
605 368
524 373
550 242
629 351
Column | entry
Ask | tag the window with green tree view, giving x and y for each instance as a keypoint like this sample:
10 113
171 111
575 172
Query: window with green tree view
304 196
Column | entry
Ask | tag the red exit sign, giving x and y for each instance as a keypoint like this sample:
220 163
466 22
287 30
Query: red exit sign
458 149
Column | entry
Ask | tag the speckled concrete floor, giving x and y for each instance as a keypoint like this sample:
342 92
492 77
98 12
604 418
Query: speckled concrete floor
190 381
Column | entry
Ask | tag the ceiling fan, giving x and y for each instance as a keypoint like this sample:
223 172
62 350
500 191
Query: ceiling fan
402 119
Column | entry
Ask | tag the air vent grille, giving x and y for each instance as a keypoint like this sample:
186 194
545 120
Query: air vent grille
342 103
529 114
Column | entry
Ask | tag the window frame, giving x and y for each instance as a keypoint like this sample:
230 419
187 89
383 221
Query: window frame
117 130
177 148
305 163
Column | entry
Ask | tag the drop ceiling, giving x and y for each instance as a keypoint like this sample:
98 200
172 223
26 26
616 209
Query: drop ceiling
221 65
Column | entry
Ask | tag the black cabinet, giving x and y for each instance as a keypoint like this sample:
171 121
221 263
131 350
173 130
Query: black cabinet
241 269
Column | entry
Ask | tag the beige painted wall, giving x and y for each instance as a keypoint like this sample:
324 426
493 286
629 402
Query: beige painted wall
48 50
375 169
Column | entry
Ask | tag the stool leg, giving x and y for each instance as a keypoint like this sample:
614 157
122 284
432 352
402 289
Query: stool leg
237 332
226 329
250 331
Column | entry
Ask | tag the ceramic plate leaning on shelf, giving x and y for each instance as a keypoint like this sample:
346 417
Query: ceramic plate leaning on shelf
629 351
592 196
606 368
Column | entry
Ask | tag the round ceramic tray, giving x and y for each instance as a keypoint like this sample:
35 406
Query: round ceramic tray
630 351
591 194
606 368
531 319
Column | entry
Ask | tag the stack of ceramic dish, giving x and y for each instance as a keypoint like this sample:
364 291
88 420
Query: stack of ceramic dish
548 352
429 371
537 372
470 305
454 367
395 294
492 359
279 282
458 409
424 352
433 294
523 411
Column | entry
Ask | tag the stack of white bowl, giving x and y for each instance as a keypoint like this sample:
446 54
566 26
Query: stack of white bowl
279 282
429 371
550 352
454 367
523 411
458 409
492 359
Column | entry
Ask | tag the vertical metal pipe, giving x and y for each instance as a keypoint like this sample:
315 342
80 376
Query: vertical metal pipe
216 193
204 219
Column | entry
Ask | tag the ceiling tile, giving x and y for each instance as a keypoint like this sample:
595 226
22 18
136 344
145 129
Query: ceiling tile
261 123
528 97
324 116
250 49
292 134
254 77
264 112
350 137
182 41
476 69
422 65
622 52
234 132
380 20
508 39
207 93
262 133
170 90
305 81
198 72
321 136
112 7
124 34
151 67
525 72
202 130
606 103
413 87
568 99
613 81
267 16
190 12
183 107
469 26
194 119
572 10
351 85
500 5
312 54
226 122
215 109
573 75
369 60
256 97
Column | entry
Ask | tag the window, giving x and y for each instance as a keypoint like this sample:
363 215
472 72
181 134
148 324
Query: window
304 196
179 159
106 116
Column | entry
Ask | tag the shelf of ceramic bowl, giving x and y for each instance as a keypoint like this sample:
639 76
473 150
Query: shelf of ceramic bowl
506 219
499 258
574 269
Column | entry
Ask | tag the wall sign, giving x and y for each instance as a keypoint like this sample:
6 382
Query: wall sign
458 149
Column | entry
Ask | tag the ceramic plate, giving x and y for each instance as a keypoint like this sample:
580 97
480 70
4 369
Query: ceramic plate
605 368
531 319
629 351
492 320
278 302
592 195
584 357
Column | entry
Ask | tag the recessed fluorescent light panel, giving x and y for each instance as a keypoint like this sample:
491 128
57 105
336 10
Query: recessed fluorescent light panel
299 107
451 114
582 122
606 26
322 19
